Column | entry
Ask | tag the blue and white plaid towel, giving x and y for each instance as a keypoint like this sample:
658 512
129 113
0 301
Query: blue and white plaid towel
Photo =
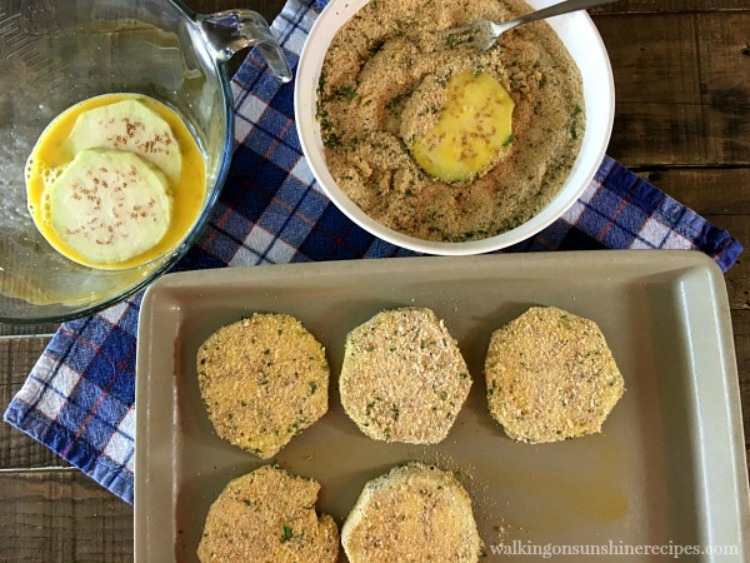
79 397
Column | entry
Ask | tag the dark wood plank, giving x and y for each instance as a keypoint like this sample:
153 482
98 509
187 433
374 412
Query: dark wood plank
63 516
741 330
653 58
17 357
681 94
738 278
655 134
724 56
709 191
27 330
658 109
745 400
723 47
683 99
670 6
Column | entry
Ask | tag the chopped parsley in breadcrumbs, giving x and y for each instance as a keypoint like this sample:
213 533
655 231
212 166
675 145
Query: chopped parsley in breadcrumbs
385 82
403 377
551 376
415 512
268 515
263 380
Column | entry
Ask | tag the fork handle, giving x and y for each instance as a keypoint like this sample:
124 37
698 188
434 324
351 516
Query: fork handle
555 10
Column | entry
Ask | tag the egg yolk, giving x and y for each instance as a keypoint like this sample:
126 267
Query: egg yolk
472 131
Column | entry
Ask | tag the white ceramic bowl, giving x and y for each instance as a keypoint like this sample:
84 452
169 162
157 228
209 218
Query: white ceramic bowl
585 45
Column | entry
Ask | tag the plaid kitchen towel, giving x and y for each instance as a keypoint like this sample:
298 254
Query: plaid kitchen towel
79 397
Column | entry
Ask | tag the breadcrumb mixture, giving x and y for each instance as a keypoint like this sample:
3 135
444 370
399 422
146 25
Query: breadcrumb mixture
268 516
383 83
551 376
415 512
263 380
403 378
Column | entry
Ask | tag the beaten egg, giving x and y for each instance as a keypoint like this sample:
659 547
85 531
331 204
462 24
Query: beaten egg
116 181
471 131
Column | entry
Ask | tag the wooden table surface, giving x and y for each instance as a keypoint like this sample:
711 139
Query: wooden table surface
682 73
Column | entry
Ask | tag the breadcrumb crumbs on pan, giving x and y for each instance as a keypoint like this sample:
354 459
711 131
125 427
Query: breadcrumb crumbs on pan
403 377
263 380
268 515
551 376
415 512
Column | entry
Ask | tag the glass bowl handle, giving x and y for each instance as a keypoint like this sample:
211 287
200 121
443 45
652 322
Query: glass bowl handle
228 32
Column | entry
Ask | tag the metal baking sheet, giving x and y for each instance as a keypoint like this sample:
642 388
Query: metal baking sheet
668 469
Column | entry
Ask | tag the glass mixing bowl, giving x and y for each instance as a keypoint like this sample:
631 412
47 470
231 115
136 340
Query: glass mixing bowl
54 54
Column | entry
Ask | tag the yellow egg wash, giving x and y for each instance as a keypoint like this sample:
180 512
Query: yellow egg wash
471 132
53 152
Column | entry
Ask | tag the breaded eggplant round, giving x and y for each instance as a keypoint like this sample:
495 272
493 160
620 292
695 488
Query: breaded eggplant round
403 378
268 515
551 376
415 512
263 380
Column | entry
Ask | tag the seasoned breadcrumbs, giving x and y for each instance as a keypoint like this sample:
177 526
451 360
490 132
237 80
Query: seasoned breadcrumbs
415 512
403 378
263 380
551 376
268 516
383 83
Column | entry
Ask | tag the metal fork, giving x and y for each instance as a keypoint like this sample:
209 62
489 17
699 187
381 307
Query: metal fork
483 34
